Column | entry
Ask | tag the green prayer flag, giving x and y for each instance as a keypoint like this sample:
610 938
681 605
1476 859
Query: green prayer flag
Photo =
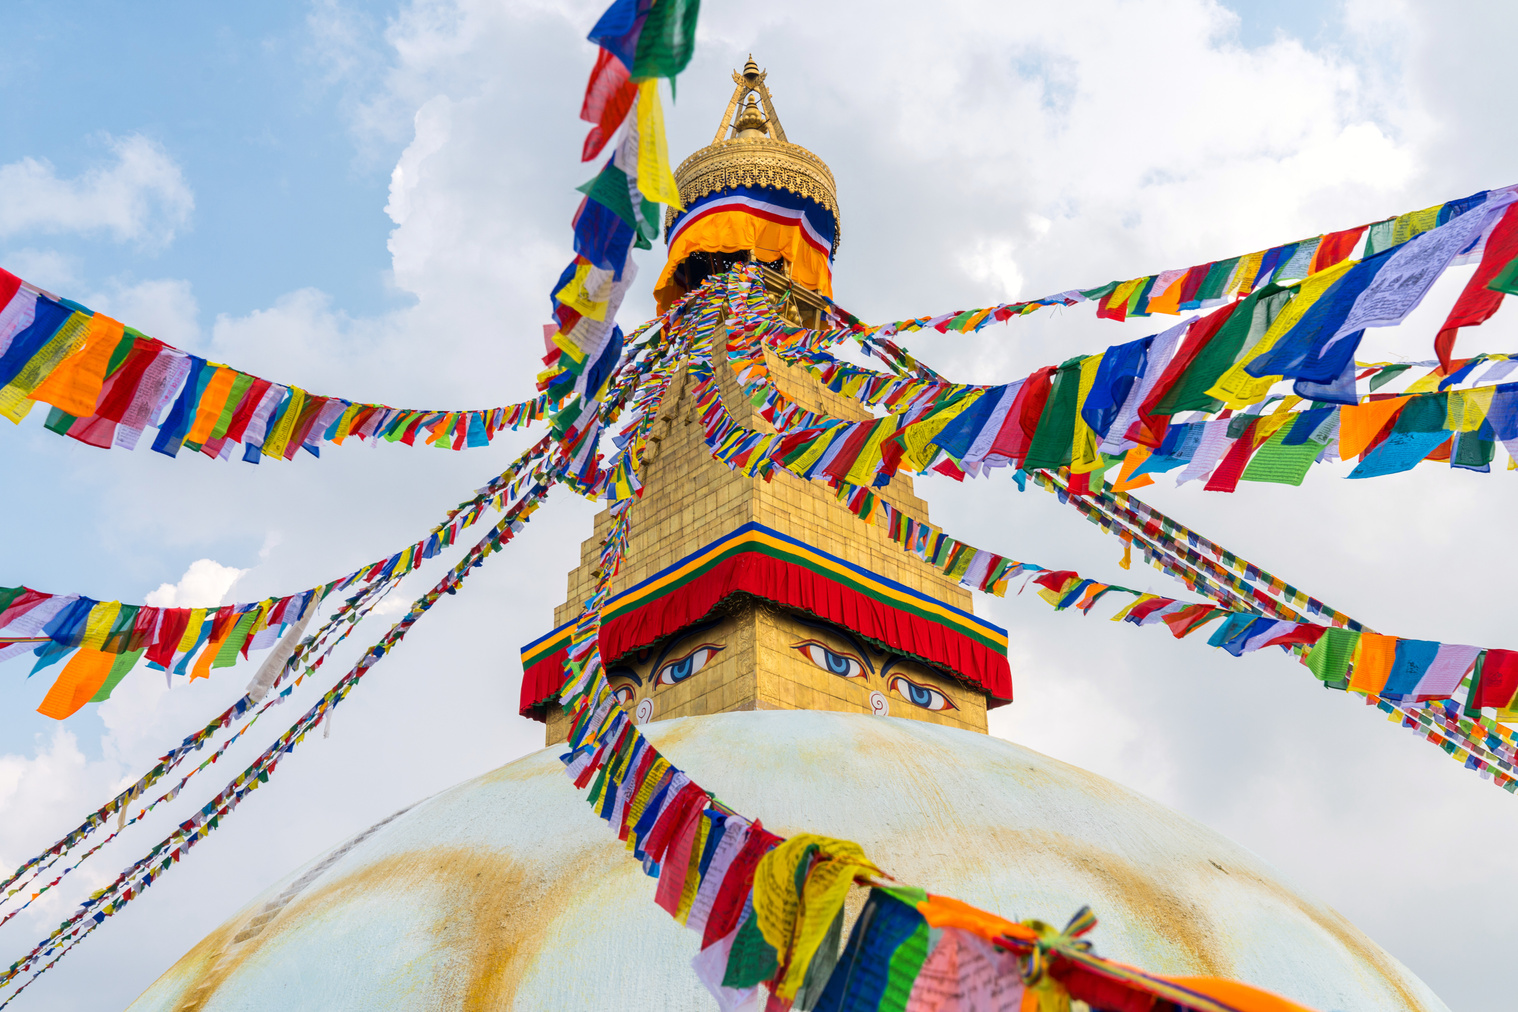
752 960
1279 463
59 421
1216 280
1472 451
1233 341
1099 293
227 655
1506 279
1330 656
240 384
1056 426
119 668
1138 301
119 355
1388 374
610 190
1379 237
906 964
668 39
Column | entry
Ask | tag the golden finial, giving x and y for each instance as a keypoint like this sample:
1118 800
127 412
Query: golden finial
751 69
751 122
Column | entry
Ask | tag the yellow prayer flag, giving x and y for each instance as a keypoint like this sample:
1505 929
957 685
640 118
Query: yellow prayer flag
587 293
916 437
655 180
1085 447
1426 383
1243 275
1415 223
275 441
192 630
1468 408
15 397
98 626
1122 293
868 461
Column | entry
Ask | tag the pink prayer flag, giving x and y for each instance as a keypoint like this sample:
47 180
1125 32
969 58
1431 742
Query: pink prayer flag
1443 676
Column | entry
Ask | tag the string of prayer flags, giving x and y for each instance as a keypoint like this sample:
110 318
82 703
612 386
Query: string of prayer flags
103 641
1151 406
106 384
1430 675
1203 286
311 654
137 877
640 42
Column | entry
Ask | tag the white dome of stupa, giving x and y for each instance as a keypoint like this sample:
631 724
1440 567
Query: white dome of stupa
506 892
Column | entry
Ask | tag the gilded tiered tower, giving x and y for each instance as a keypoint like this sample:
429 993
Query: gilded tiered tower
757 647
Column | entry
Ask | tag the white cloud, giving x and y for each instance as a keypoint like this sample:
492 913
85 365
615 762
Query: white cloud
47 268
204 585
141 197
164 308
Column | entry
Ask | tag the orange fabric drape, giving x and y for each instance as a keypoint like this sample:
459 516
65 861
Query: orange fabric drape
734 230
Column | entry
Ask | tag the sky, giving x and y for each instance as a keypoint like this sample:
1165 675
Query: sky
372 200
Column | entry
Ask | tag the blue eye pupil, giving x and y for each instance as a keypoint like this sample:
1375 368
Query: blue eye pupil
919 695
837 665
680 670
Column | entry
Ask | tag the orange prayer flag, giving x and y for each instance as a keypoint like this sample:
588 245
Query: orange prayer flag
1169 301
202 667
211 402
77 683
74 386
1236 995
1374 655
1134 458
947 912
1359 424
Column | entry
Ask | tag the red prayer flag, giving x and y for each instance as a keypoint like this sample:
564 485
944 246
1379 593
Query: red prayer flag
1499 679
1226 477
608 96
1477 302
1334 248
9 286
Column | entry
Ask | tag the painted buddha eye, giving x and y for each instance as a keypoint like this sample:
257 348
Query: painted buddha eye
842 665
680 670
920 695
623 694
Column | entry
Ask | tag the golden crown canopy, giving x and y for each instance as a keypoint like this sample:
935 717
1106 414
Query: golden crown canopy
750 149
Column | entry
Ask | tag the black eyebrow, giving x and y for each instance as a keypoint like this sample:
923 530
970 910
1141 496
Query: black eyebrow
681 638
893 659
624 672
841 633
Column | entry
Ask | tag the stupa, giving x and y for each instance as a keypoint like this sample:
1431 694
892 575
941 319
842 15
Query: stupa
809 672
